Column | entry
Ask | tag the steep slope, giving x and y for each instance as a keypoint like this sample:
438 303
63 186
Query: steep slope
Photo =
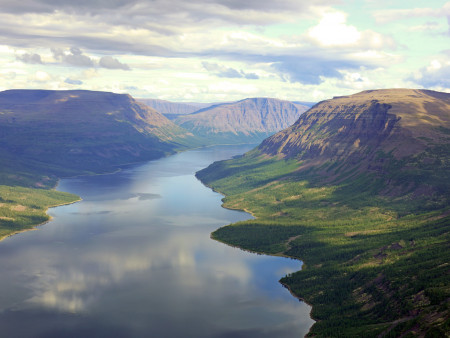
59 132
400 121
249 120
359 189
375 132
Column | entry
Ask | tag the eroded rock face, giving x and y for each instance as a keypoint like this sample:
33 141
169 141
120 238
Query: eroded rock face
243 118
399 121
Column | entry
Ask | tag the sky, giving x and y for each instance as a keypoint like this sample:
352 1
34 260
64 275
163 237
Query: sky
225 50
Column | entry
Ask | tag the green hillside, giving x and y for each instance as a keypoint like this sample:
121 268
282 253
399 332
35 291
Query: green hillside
359 189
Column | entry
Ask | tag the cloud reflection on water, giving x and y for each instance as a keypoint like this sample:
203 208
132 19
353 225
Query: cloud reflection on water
135 265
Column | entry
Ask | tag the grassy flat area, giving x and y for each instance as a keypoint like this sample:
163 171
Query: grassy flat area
374 264
23 208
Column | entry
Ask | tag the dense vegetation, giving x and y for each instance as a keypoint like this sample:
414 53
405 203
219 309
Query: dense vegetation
22 208
375 247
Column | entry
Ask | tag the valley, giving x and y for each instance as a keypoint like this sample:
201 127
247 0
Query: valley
221 168
46 135
357 187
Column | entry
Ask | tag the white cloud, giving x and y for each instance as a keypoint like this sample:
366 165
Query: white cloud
436 75
74 57
41 76
228 72
389 15
29 58
332 30
427 27
228 87
287 48
112 63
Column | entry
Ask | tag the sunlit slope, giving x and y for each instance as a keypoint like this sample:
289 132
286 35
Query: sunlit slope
245 121
359 189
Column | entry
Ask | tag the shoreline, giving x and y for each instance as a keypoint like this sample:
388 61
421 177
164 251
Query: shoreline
119 169
279 254
35 227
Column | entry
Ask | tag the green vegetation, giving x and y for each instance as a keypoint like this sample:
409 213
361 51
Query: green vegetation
22 208
375 247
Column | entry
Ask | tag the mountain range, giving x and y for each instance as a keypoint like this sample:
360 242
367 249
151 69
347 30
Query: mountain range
246 121
358 188
77 131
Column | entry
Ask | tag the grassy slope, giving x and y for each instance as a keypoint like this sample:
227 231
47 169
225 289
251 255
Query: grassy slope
373 264
22 208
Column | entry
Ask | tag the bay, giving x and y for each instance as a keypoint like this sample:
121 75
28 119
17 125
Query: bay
135 259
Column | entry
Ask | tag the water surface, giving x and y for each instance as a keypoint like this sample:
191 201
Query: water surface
134 259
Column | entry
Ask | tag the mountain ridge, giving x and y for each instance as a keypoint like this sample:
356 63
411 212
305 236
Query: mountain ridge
83 130
250 119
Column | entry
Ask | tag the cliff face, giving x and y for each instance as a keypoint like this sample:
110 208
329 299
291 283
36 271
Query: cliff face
399 122
250 118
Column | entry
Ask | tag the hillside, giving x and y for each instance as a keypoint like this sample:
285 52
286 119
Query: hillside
245 121
67 132
359 189
49 134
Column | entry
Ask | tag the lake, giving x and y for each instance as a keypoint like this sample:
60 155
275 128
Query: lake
135 259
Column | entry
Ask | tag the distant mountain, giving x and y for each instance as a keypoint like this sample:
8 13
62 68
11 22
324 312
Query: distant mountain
80 131
359 190
304 103
173 109
245 121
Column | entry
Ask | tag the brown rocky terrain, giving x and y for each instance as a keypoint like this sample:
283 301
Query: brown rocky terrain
250 119
367 128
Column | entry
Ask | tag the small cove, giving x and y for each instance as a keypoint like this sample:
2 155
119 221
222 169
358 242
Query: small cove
134 259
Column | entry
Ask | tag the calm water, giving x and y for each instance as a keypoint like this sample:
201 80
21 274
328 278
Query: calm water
134 259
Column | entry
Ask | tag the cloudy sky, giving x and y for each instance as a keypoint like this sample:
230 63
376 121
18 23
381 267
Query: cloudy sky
219 50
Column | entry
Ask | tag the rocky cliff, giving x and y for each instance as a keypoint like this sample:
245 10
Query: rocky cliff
367 129
246 120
